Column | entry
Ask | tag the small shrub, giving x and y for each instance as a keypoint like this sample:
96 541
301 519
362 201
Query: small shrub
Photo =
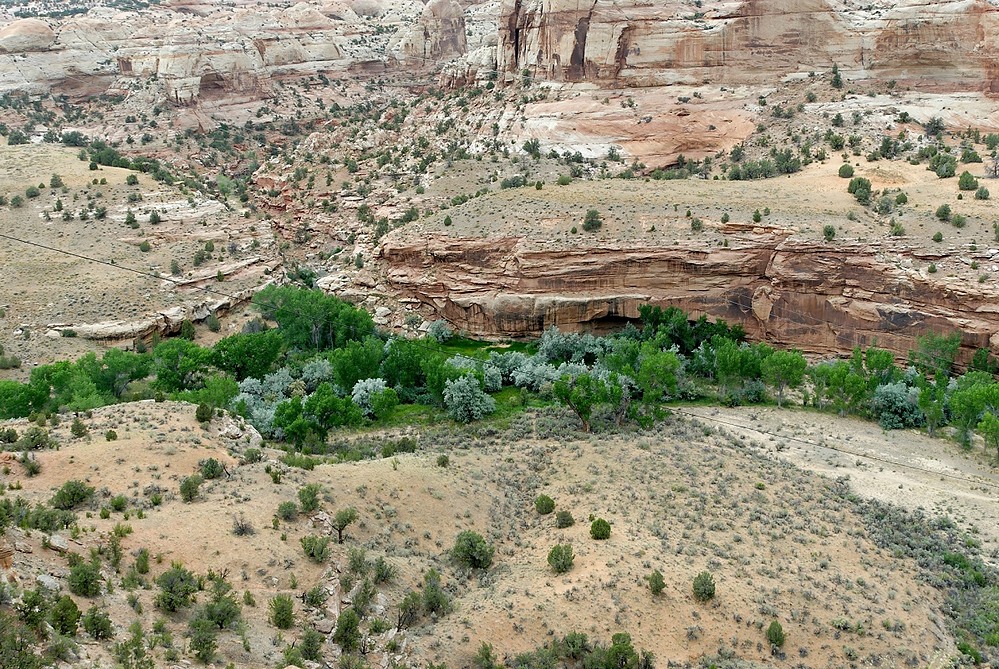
775 634
656 582
189 488
982 193
564 519
544 504
592 221
846 171
65 616
943 212
241 527
704 586
97 623
287 511
828 232
443 461
316 548
211 469
78 429
560 558
937 236
282 610
384 571
967 181
145 247
308 497
471 550
177 587
110 435
600 529
348 633
203 413
72 494
85 579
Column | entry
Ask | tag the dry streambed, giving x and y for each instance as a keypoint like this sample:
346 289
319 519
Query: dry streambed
903 467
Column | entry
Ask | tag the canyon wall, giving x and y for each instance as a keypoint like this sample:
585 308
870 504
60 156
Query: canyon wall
951 45
820 298
227 52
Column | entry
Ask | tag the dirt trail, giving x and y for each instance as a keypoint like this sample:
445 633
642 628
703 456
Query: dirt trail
903 467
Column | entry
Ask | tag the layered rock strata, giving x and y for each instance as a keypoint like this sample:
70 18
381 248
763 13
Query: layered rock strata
817 297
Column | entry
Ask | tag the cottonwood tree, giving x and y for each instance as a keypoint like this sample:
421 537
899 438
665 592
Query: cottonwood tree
782 370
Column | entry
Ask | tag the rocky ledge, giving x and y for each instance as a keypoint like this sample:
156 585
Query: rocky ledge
821 298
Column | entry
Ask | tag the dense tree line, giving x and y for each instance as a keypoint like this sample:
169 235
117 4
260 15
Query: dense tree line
322 365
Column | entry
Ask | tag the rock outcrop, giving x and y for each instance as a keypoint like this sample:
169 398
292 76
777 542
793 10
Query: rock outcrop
951 44
231 52
820 298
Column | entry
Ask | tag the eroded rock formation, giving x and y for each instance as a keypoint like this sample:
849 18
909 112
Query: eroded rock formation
231 52
950 44
820 298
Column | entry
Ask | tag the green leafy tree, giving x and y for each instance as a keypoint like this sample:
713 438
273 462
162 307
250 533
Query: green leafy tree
988 427
931 401
341 520
580 394
935 354
782 370
975 395
250 355
179 364
358 360
312 320
471 550
657 374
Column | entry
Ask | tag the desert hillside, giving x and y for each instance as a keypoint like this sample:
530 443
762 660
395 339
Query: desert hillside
782 544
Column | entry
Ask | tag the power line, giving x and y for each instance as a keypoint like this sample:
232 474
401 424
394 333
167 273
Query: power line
206 289
477 360
115 265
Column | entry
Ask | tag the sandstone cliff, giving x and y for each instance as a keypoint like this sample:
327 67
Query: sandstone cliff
820 298
232 52
951 44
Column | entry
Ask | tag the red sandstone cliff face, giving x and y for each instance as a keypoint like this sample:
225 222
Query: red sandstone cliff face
817 297
951 45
